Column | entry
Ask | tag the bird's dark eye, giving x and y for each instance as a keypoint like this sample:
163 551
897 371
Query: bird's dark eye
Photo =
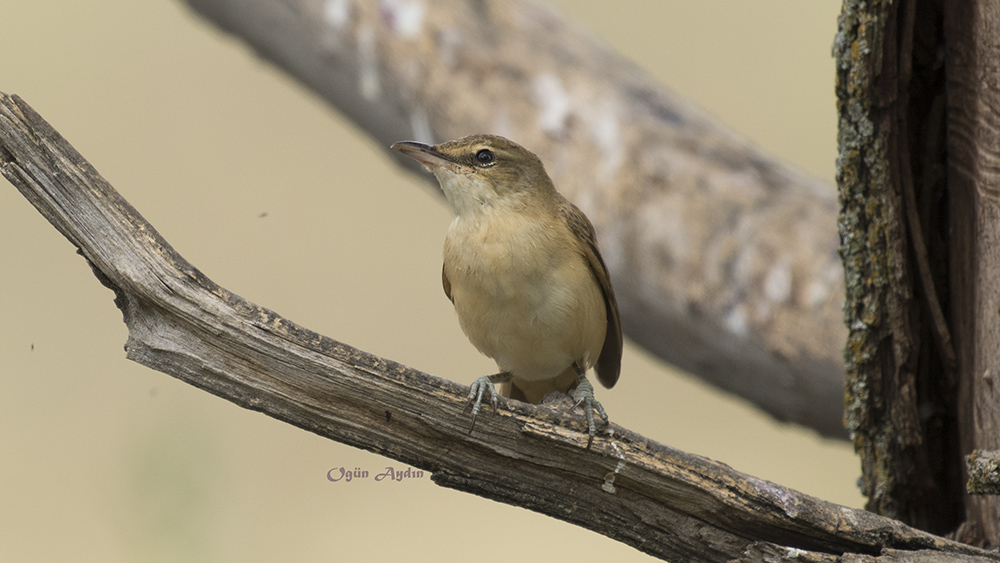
485 157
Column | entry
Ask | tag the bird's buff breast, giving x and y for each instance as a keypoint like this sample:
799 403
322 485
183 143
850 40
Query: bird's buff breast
524 296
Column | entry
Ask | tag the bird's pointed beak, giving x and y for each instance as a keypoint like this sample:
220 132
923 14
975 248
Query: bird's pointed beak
429 156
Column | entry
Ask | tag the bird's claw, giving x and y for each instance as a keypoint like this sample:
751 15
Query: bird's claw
479 386
584 395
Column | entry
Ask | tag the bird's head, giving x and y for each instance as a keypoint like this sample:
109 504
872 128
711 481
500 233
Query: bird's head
482 171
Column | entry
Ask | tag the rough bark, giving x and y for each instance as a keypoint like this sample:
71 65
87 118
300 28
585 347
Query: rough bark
724 261
764 552
901 401
916 88
662 501
983 469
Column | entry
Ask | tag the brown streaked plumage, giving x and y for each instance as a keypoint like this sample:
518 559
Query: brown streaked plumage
523 270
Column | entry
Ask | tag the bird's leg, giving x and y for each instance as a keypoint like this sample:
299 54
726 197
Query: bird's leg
584 394
479 386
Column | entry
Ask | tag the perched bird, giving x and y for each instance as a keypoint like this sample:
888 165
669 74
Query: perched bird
522 268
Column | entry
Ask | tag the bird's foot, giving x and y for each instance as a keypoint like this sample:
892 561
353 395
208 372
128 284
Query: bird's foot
479 387
584 395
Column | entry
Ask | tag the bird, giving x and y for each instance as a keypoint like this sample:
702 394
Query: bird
523 270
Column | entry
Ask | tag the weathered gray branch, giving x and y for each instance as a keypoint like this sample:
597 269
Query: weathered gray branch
724 261
662 501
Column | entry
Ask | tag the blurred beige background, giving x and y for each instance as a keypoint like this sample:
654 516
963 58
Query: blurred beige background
274 196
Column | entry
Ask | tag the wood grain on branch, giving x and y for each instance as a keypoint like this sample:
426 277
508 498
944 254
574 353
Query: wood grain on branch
724 260
662 501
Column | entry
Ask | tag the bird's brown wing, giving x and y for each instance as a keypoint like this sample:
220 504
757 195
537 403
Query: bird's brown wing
446 283
609 362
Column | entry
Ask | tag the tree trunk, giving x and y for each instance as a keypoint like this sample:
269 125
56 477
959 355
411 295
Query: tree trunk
972 38
914 83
